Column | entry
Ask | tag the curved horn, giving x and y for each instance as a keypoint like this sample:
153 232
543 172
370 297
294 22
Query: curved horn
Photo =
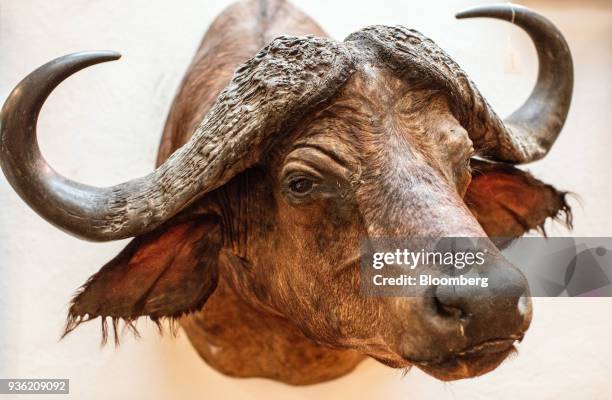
267 93
528 133
87 212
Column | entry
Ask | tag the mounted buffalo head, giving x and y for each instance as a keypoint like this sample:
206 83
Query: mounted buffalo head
314 146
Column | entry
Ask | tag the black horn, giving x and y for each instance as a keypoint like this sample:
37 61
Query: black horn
87 212
263 93
528 133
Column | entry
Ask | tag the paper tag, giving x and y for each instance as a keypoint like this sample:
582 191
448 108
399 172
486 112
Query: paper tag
512 60
512 56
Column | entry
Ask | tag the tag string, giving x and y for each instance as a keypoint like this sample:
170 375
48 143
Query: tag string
512 63
513 12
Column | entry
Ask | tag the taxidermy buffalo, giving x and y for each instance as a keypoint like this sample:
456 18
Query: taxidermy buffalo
283 150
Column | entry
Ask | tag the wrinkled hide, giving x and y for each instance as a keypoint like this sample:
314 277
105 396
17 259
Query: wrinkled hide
283 151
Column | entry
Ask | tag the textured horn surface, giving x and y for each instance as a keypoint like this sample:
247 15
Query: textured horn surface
269 92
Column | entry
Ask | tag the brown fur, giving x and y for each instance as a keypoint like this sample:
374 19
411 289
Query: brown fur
391 158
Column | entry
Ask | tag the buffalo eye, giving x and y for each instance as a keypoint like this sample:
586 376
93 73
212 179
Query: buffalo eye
301 186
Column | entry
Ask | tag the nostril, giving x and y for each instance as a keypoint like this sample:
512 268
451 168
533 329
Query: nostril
450 303
447 310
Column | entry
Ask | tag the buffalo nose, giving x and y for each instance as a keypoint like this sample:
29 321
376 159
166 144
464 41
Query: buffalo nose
502 308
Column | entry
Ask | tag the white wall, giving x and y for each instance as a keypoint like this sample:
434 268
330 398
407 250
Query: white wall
103 125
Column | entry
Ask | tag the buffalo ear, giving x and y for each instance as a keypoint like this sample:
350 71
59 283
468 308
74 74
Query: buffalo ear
165 273
508 202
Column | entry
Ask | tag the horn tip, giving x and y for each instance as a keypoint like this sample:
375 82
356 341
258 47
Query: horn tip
500 11
93 56
108 54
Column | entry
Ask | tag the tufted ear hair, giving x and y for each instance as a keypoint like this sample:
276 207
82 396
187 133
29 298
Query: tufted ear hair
508 202
162 274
